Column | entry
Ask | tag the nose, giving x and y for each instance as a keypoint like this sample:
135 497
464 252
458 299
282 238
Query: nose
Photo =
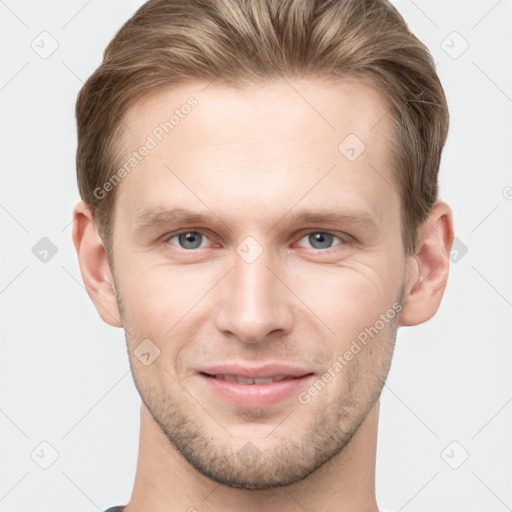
254 303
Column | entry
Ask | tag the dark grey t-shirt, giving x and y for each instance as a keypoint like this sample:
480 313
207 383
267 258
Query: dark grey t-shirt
120 509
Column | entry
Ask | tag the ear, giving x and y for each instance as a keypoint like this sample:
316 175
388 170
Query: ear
428 269
94 267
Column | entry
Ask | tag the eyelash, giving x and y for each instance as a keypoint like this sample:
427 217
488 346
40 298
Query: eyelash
343 240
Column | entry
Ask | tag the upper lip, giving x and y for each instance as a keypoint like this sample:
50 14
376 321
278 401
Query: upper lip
256 372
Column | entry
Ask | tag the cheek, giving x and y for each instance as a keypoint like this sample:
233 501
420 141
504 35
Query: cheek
156 299
349 298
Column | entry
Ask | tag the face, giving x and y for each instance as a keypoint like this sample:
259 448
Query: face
254 234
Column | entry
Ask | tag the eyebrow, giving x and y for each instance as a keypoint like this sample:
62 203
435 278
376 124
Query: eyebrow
155 217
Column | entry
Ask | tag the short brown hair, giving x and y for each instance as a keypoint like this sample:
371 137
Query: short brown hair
242 42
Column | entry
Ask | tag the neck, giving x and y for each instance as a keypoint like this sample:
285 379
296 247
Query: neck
166 482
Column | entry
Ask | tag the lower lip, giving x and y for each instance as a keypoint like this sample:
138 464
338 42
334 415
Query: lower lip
256 395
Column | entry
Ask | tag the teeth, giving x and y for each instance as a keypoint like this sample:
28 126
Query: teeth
243 380
263 381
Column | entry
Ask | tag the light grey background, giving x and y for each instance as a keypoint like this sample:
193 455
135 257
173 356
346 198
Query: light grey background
64 374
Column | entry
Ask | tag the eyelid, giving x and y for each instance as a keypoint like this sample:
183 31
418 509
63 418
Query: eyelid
345 238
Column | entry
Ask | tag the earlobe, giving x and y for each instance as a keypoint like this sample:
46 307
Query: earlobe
94 267
428 273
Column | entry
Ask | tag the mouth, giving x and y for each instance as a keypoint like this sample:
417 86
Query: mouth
256 392
245 380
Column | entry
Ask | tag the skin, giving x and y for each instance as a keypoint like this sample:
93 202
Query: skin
254 157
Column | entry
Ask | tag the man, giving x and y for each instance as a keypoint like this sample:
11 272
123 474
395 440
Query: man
260 214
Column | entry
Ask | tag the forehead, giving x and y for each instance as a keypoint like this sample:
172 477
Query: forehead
229 115
254 142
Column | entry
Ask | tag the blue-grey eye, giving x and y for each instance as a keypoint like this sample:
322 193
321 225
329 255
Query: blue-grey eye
189 239
321 238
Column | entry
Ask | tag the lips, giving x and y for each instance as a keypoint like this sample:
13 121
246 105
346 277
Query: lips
236 372
254 387
253 393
